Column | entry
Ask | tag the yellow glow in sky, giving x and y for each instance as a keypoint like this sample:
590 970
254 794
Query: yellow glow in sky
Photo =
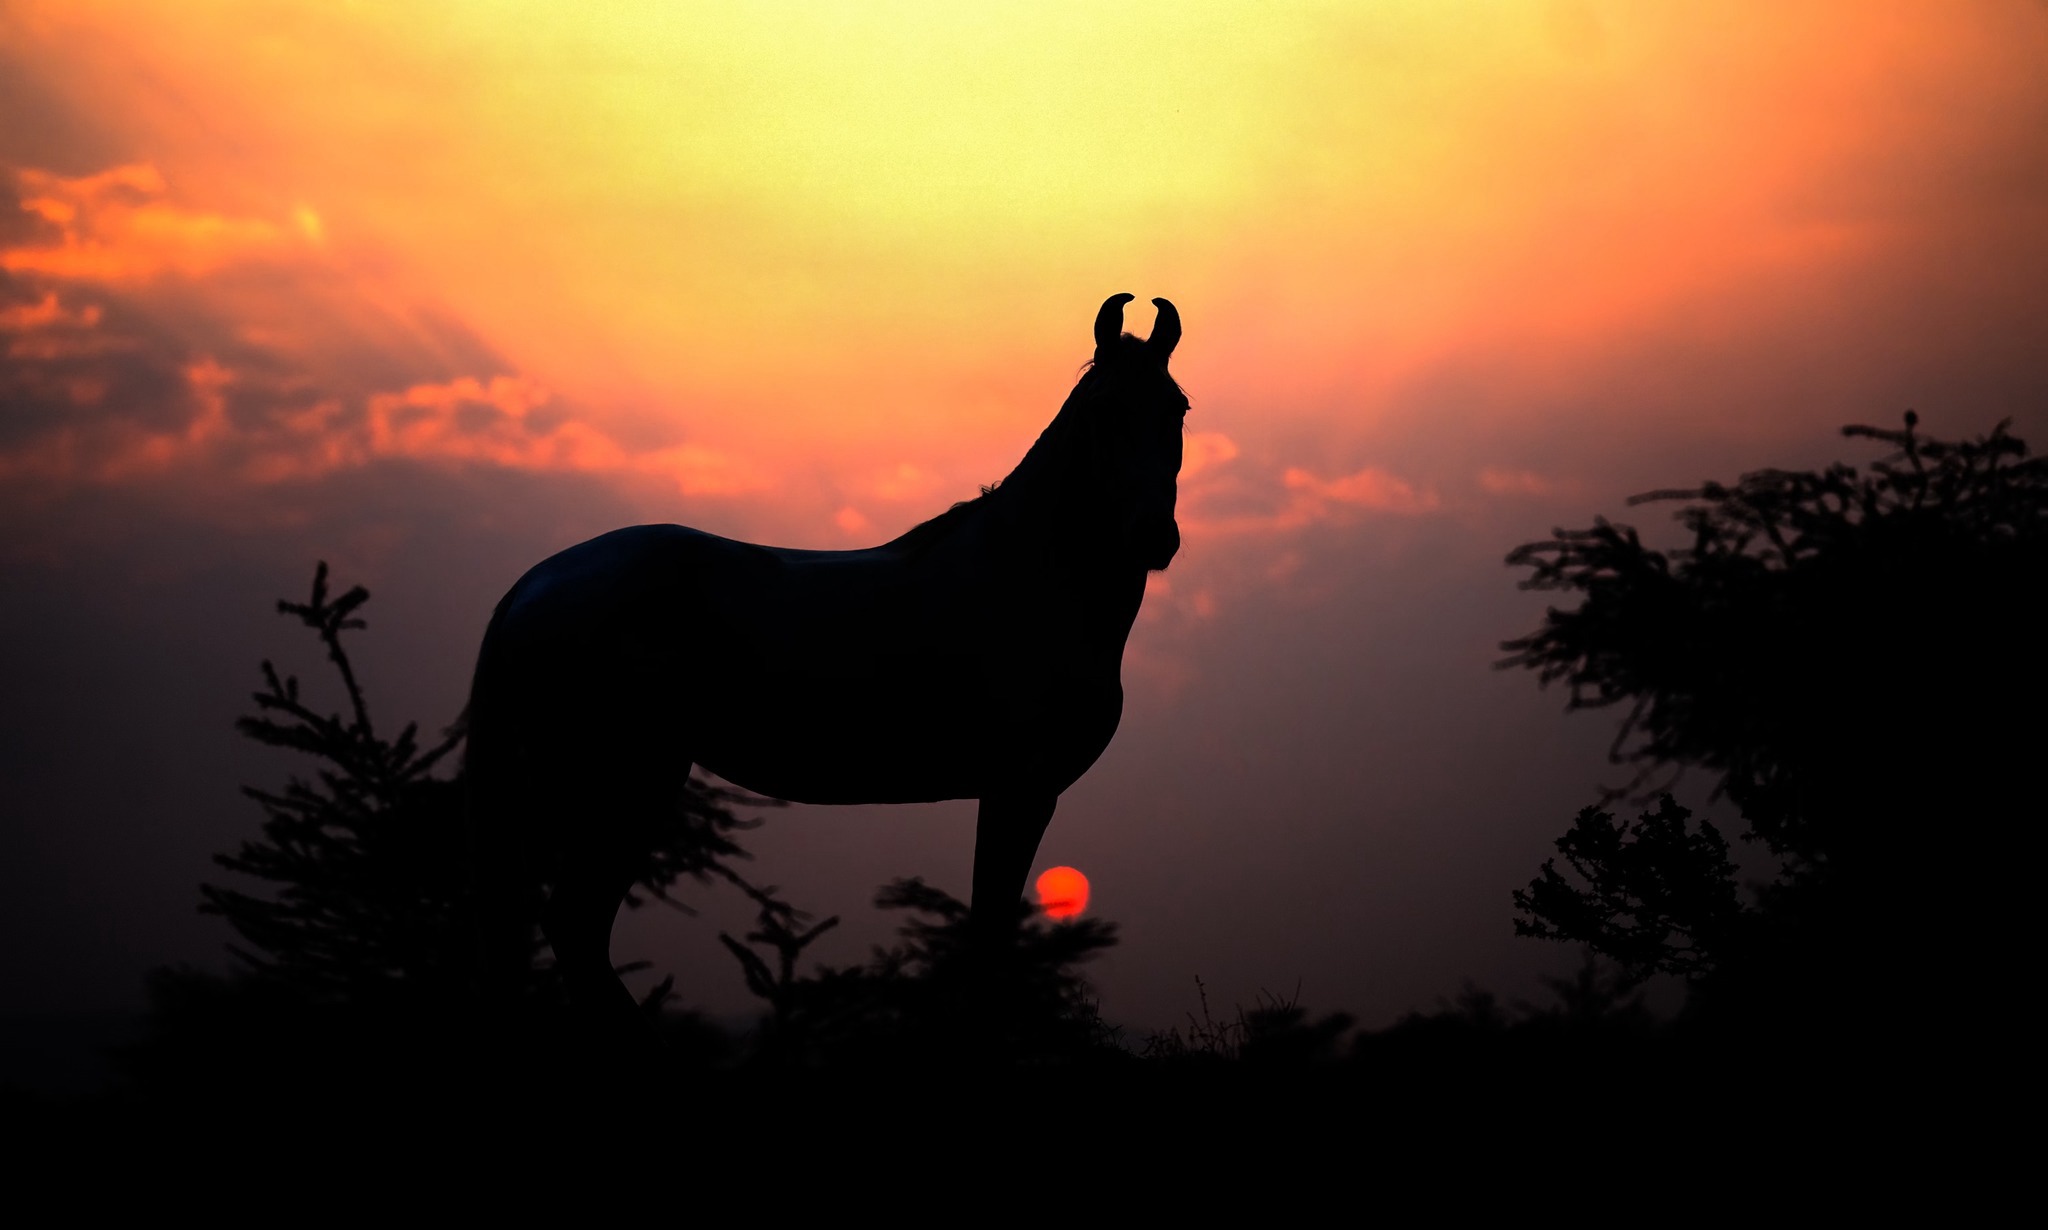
849 238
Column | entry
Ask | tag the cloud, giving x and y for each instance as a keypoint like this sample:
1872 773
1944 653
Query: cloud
45 329
1205 450
1371 488
118 226
492 423
466 421
1501 480
113 450
44 314
108 381
1296 498
904 482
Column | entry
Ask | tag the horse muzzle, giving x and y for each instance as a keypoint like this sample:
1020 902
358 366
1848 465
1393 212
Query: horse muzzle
1153 543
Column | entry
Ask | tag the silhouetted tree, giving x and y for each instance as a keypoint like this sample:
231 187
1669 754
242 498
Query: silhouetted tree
780 928
366 859
370 860
366 930
1597 996
1854 657
937 996
1659 896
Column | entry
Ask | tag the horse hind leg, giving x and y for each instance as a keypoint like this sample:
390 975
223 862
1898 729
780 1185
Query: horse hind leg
590 880
577 920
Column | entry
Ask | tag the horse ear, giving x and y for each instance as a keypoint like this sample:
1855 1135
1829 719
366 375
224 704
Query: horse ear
1165 330
1109 322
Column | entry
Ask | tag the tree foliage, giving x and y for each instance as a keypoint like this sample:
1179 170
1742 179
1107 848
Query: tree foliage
1852 656
370 862
937 996
365 858
1659 895
1275 1030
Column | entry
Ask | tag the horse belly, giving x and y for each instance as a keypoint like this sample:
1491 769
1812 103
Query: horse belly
874 745
949 733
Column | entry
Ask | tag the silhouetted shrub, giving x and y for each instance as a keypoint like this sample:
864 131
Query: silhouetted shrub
1596 1033
1854 658
361 952
366 860
935 998
1660 896
1273 1031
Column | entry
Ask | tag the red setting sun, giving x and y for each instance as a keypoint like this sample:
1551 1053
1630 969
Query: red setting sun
1062 892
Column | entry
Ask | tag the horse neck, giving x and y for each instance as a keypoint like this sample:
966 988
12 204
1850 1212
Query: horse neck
1040 525
1035 525
1039 511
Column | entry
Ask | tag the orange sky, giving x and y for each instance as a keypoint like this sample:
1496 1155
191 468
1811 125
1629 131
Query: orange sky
1451 273
843 257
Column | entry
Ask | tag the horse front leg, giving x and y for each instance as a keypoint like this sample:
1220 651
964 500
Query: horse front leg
1006 837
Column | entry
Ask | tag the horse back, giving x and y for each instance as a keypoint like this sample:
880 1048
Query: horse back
852 676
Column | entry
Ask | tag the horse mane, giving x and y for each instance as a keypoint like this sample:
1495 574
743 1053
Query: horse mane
924 534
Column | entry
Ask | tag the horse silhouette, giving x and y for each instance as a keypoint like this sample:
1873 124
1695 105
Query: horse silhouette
976 656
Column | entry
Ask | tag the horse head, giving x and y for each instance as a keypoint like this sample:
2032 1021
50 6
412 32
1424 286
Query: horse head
1136 428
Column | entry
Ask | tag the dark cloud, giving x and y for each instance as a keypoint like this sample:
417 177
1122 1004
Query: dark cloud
42 131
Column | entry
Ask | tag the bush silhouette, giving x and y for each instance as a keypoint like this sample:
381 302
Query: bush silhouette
1660 896
1275 1031
938 997
357 950
1853 657
365 860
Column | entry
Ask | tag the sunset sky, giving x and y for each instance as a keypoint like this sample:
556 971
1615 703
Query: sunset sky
432 291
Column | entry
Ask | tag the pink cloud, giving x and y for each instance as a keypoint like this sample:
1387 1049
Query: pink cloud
45 314
1258 504
465 421
117 450
904 482
1499 480
46 330
109 392
473 421
1371 488
120 226
1205 450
